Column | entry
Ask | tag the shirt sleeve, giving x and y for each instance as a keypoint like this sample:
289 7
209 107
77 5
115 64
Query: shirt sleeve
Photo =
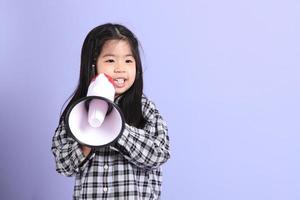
147 147
68 155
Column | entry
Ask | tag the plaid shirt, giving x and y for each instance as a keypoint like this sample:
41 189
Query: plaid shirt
128 170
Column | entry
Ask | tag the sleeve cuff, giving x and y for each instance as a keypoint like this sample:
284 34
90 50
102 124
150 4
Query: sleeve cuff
79 154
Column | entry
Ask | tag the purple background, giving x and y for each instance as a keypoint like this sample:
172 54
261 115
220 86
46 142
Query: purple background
224 74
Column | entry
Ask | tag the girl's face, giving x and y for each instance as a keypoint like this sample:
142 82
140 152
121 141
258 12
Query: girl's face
117 61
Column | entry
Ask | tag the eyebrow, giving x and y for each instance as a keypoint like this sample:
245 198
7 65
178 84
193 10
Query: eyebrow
113 55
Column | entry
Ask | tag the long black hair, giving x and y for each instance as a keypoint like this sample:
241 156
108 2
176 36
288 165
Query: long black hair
130 101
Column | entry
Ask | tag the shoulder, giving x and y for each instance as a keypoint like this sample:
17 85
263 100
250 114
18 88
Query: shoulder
147 103
148 107
151 113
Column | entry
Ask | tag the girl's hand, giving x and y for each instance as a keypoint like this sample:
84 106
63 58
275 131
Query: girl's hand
86 150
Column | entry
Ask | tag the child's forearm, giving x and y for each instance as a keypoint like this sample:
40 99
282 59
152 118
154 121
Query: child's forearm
68 153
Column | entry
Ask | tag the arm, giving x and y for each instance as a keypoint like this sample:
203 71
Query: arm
148 147
69 156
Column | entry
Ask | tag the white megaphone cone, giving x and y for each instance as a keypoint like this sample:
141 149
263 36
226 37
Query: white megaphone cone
103 87
96 120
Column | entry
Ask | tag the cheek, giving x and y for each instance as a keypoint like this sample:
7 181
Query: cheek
133 72
100 70
103 69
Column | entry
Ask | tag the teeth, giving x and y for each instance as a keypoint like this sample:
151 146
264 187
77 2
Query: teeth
119 80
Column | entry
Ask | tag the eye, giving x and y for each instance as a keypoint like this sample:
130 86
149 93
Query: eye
110 61
129 61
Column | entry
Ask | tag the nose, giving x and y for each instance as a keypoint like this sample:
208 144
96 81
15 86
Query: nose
118 68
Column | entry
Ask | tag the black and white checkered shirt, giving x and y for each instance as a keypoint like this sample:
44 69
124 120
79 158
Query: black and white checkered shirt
128 170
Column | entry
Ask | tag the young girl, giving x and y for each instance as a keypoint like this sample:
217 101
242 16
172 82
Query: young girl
130 169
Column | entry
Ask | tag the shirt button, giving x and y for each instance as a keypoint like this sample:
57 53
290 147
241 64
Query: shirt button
105 189
105 167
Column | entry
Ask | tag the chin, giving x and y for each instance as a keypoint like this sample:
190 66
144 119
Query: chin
118 93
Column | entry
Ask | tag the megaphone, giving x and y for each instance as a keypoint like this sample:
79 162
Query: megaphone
95 120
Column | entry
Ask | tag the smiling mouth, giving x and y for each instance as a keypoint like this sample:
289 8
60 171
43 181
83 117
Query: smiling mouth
119 82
